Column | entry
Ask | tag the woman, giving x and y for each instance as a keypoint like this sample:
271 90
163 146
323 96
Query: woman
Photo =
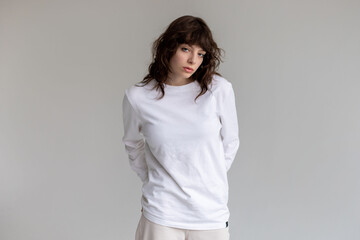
181 135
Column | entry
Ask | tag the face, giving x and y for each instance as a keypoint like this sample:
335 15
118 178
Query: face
185 62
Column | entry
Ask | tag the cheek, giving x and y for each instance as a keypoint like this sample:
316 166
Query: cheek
175 59
174 62
200 62
181 58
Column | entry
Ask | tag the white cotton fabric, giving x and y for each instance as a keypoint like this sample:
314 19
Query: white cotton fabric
182 150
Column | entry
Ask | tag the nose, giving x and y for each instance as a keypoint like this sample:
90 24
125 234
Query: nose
192 58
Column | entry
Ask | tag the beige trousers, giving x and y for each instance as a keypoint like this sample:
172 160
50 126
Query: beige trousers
147 230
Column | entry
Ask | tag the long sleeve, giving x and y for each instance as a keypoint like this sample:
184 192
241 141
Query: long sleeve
229 121
134 140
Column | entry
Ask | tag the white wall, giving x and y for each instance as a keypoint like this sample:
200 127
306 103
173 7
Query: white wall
64 65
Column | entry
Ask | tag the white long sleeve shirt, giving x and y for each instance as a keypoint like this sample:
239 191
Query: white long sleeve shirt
182 150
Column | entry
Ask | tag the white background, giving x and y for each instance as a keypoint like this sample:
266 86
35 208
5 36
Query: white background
64 65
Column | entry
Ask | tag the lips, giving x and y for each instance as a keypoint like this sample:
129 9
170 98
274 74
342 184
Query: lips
188 69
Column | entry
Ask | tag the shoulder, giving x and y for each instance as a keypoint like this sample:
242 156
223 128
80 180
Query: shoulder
220 85
133 91
137 91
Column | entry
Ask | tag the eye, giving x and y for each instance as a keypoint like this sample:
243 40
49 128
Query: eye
184 49
202 55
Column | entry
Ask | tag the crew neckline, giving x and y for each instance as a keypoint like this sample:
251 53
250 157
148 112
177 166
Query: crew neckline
187 86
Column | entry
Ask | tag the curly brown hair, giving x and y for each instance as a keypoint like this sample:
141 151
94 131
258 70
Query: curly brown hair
192 31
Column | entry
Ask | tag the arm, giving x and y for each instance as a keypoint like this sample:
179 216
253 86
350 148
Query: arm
229 121
133 140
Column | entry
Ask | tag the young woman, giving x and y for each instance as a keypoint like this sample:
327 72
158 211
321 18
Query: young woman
181 136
